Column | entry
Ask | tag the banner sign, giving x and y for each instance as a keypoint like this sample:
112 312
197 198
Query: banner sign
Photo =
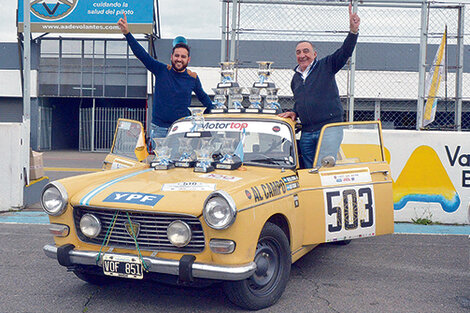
87 16
432 82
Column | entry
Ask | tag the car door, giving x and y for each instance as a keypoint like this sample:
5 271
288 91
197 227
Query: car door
122 152
348 194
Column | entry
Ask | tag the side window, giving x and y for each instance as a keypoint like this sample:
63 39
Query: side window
350 143
126 137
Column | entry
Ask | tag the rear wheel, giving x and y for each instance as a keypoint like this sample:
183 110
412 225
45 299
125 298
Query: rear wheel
266 285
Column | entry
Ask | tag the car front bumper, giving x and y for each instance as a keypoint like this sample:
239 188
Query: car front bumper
70 257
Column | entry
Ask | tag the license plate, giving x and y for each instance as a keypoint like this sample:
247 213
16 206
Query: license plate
122 266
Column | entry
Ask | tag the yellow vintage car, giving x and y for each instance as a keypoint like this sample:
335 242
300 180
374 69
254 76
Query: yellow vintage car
224 200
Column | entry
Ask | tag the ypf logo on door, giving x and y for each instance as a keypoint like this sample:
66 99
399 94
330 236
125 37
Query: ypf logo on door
135 198
52 9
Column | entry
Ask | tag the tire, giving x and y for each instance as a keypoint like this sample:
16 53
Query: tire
94 279
266 285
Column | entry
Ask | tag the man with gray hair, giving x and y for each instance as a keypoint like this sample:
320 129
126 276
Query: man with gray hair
316 94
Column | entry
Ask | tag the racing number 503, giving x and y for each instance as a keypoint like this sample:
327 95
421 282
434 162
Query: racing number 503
350 197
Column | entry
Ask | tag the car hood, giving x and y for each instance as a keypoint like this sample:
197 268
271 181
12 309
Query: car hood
178 190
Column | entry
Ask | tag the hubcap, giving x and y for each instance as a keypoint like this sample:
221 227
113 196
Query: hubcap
268 263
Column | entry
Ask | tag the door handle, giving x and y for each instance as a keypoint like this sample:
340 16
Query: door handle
385 172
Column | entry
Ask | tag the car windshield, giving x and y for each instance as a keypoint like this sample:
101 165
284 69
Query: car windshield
260 143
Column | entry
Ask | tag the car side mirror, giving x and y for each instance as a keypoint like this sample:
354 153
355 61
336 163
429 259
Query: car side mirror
328 161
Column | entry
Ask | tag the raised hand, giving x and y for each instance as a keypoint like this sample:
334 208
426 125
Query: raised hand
354 20
122 23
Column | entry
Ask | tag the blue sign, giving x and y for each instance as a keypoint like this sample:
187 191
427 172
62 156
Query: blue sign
133 197
88 16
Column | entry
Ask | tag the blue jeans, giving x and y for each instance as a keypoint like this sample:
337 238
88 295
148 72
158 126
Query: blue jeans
332 138
155 132
331 142
307 145
158 131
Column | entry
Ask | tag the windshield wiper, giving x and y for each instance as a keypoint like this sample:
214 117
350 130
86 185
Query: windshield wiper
267 160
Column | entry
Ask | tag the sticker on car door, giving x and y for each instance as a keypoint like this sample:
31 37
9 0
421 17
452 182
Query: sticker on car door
349 212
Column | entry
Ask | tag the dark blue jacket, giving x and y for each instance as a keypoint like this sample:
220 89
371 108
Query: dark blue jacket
317 99
173 89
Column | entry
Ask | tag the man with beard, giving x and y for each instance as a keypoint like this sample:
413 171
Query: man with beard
174 83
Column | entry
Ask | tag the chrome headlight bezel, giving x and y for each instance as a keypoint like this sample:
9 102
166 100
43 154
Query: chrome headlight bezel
185 227
92 218
64 199
231 212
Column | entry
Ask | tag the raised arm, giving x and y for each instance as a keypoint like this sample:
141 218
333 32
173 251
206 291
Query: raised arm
150 63
341 56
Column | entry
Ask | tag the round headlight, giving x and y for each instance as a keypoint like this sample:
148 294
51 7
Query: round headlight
90 225
219 210
179 233
54 199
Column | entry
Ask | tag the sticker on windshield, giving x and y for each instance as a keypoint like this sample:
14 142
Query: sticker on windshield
262 127
188 186
125 125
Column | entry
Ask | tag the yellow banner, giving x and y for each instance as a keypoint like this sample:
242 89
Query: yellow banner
433 81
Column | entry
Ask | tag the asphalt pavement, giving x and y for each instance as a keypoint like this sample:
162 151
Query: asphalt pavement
392 273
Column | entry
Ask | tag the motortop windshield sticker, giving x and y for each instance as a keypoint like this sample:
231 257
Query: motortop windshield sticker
266 127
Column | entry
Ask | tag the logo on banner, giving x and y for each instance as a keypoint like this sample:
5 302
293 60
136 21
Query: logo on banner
135 198
52 9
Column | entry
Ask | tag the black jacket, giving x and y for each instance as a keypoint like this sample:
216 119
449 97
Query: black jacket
317 98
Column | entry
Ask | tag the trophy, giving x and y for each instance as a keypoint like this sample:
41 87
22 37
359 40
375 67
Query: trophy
271 102
204 157
227 72
264 72
229 160
187 157
162 155
219 101
197 119
255 101
236 98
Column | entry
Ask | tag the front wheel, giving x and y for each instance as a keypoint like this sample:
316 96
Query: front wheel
266 285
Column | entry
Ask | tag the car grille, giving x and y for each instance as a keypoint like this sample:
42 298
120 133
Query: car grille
152 234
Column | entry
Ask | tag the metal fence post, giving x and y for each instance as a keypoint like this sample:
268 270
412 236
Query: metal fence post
234 26
377 110
459 70
422 65
93 127
353 77
223 42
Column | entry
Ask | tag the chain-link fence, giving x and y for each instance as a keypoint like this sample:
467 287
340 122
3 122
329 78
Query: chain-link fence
386 74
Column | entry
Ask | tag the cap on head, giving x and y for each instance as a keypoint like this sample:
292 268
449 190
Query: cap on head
179 39
180 42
